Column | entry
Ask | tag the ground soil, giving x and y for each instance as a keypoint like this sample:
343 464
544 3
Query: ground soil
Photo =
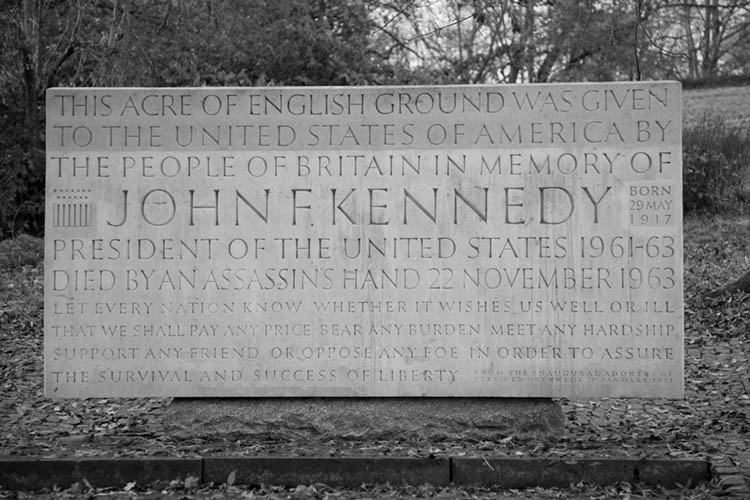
712 422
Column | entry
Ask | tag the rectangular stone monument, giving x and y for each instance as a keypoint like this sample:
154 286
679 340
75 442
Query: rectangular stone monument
505 241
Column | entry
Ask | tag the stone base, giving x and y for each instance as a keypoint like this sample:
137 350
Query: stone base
363 419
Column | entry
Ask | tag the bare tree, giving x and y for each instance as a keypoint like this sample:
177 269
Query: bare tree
515 40
701 38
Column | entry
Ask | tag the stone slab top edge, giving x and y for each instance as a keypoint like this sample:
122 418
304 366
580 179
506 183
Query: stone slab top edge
371 87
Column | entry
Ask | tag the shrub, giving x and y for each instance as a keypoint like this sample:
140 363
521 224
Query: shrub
725 80
24 250
21 172
716 164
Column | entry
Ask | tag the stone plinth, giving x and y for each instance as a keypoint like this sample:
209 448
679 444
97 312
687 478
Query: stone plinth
454 241
362 418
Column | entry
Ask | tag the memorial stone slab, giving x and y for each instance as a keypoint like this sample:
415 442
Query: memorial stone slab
473 241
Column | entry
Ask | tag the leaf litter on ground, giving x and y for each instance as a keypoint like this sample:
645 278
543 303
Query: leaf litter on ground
711 423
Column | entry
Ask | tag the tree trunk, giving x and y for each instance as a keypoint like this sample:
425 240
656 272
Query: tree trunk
31 48
692 51
742 284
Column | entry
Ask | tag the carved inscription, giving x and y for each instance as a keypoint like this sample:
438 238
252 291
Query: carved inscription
419 241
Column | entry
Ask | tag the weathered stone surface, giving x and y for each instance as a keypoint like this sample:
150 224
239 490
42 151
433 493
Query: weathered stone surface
359 418
528 473
457 241
674 473
36 473
549 473
337 472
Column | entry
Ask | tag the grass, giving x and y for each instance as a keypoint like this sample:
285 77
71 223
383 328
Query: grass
716 150
716 157
732 103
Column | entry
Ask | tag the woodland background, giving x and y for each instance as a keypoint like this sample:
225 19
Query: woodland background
705 44
48 43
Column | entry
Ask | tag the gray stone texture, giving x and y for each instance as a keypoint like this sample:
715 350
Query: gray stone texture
524 242
360 418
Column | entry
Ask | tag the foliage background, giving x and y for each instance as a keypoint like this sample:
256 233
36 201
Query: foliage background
47 43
